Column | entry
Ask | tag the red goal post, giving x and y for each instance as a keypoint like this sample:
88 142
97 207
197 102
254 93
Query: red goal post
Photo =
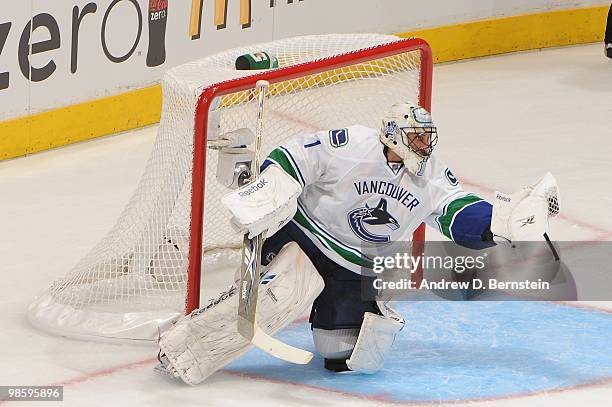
274 76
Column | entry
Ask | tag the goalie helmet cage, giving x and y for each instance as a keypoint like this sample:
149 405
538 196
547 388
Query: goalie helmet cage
146 272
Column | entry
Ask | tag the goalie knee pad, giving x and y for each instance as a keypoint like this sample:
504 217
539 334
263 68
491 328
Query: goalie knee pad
335 343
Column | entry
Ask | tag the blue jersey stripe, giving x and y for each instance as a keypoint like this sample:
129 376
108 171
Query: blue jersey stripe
315 143
266 164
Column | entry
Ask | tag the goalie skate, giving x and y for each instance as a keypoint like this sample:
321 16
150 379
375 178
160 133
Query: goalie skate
205 341
164 367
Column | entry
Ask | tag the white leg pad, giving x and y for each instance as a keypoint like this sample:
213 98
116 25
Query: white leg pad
206 340
375 339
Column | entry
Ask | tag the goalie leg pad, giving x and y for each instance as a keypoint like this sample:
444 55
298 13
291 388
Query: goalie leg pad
375 340
206 340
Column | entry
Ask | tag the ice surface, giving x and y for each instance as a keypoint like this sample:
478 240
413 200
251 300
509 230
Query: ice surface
503 122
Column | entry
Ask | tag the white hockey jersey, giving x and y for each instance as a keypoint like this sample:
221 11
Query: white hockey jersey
352 197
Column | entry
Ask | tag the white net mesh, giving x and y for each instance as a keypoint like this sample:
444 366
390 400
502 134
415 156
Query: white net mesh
137 273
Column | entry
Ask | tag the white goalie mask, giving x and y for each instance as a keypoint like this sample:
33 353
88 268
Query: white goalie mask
409 132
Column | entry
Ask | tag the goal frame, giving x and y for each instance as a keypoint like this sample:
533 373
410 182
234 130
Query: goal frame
196 229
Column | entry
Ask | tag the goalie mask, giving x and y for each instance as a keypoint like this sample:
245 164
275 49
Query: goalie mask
409 132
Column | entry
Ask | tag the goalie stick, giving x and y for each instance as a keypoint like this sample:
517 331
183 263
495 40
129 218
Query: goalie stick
249 273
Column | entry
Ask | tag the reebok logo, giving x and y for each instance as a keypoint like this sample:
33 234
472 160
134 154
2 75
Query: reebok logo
253 188
224 296
243 293
504 198
529 220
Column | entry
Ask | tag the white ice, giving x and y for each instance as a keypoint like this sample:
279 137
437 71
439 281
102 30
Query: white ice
503 122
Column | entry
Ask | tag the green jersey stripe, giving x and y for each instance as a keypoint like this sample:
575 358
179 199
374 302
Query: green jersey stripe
279 157
344 253
323 232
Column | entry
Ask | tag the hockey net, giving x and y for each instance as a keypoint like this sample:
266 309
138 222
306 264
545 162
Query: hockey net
146 271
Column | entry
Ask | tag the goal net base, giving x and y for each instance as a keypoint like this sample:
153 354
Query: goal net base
142 327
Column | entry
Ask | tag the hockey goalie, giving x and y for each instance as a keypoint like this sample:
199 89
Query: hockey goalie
318 198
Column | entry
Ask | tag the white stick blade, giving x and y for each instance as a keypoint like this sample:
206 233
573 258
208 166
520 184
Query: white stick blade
280 349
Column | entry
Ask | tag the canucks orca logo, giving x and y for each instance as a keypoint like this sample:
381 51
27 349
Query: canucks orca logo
360 217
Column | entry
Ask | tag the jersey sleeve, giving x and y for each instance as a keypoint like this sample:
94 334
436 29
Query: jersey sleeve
460 216
303 157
